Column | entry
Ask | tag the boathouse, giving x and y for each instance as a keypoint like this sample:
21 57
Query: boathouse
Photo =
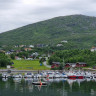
70 65
55 64
81 64
78 64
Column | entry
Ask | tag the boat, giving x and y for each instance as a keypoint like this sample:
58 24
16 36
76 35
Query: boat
28 75
88 75
74 75
50 74
39 83
17 76
43 74
4 79
63 75
79 75
57 75
37 76
5 75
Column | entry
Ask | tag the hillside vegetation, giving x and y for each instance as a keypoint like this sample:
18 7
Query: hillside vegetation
78 30
73 56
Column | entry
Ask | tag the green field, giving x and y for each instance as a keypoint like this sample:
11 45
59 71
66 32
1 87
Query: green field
28 65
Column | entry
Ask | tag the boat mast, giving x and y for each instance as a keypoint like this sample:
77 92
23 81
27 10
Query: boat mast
63 63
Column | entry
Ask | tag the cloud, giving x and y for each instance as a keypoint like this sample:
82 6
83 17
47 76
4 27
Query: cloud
17 13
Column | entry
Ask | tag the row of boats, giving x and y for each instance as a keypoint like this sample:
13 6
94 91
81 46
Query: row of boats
51 74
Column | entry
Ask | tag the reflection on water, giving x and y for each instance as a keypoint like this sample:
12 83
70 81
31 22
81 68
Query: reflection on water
54 87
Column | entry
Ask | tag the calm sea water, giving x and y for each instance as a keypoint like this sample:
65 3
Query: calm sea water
55 87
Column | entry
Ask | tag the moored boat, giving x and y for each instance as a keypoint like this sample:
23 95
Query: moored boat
28 75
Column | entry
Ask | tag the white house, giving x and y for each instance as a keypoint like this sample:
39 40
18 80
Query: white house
64 41
59 45
31 46
8 53
29 59
93 49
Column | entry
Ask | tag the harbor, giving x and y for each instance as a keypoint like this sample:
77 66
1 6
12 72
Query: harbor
76 74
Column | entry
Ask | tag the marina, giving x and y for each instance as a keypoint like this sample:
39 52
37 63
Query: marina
51 74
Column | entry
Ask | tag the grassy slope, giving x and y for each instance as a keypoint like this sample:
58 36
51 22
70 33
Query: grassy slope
28 65
78 29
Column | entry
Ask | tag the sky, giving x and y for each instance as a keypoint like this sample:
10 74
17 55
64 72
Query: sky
17 13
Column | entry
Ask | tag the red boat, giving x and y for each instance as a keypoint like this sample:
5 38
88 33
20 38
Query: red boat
72 75
76 77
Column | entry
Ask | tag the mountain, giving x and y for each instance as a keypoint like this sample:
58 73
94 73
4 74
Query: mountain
76 29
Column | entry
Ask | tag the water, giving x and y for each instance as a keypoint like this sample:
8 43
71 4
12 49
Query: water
55 87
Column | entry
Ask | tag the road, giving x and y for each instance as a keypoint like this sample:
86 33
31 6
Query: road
45 64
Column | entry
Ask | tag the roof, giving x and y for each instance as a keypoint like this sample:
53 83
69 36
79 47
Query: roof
55 62
81 62
71 63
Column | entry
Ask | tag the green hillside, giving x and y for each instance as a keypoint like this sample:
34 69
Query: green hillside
79 30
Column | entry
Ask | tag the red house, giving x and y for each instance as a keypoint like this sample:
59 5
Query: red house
81 64
55 64
78 64
70 65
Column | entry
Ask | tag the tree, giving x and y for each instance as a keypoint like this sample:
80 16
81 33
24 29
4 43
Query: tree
4 60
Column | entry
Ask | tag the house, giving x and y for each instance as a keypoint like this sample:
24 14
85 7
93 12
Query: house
31 46
8 53
29 59
40 45
2 51
59 45
70 65
27 49
55 64
18 51
22 46
64 41
93 49
16 46
78 64
81 64
17 58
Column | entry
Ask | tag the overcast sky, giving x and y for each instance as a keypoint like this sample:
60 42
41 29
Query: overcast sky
17 13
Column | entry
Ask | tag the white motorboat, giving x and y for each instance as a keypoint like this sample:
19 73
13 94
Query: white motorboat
88 75
63 75
5 75
57 75
37 76
50 74
17 76
29 75
4 79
